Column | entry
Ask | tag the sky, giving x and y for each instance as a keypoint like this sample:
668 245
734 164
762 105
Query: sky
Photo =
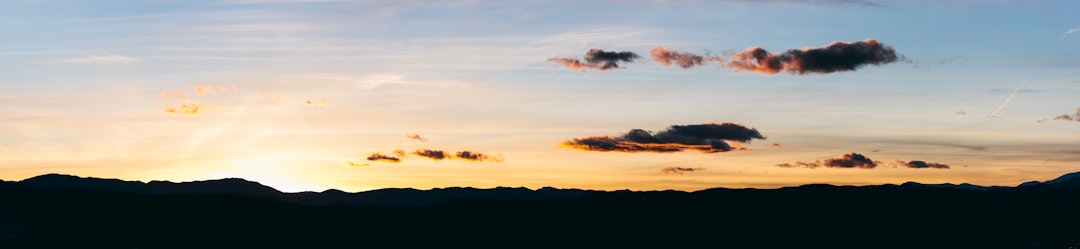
357 95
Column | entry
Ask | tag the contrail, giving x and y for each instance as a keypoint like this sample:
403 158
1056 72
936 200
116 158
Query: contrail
1007 100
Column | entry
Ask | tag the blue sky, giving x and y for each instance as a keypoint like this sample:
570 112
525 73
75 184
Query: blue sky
87 85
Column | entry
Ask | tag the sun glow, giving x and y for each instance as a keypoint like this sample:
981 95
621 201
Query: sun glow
267 170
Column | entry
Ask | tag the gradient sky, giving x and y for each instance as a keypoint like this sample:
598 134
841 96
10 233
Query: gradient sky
289 92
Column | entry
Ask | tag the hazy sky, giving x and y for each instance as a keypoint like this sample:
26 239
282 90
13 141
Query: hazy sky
299 94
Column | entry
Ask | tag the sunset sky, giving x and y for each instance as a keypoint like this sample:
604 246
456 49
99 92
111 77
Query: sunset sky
299 94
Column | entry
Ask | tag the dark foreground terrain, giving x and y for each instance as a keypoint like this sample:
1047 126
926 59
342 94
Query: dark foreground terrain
59 211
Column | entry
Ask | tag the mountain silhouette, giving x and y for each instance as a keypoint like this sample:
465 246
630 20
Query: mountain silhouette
63 211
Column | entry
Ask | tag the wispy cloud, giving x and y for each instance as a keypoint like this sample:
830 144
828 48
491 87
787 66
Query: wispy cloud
372 81
416 137
679 170
282 1
188 109
667 57
1064 117
709 138
101 59
1070 31
206 98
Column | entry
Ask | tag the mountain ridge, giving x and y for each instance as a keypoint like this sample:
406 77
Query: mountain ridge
411 197
68 214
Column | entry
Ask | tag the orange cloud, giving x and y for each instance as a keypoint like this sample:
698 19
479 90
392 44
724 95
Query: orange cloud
187 109
685 60
353 164
313 102
174 95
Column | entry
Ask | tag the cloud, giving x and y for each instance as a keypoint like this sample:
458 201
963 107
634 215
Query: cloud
708 138
856 160
372 81
416 137
954 58
174 95
1065 117
479 157
685 60
1070 31
437 155
922 165
597 59
196 103
811 165
353 164
378 157
850 160
101 59
679 170
316 102
836 57
433 154
208 89
187 109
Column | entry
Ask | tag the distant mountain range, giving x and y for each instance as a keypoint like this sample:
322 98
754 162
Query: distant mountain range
64 211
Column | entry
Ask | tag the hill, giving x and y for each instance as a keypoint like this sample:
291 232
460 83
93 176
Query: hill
59 211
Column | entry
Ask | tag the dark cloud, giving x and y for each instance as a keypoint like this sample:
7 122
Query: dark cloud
811 165
923 165
383 158
416 137
851 160
679 170
856 160
836 57
709 138
436 155
479 157
597 59
667 57
433 154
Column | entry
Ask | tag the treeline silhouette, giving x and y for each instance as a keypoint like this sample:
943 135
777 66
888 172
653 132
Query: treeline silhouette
58 211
